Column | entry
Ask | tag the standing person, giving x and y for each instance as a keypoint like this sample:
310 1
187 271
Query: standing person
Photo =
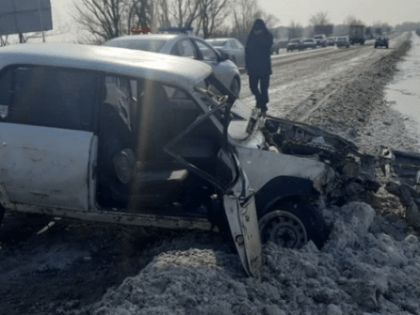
258 62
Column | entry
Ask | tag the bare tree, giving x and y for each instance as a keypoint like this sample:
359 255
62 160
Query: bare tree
244 14
270 20
295 30
182 12
139 13
319 19
104 19
352 20
212 14
162 8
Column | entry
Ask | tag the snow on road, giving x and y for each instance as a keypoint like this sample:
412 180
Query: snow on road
403 93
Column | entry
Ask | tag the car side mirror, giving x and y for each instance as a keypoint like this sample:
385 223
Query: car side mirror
223 56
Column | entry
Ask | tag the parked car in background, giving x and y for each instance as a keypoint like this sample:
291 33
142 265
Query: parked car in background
295 44
185 45
321 40
276 47
342 41
232 47
331 41
309 43
382 40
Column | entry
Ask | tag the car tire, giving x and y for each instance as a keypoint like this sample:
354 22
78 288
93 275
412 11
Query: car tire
235 87
292 224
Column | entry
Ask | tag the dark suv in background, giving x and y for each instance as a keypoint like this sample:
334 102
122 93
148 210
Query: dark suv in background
381 40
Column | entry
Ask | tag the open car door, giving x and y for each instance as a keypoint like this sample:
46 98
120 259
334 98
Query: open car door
224 172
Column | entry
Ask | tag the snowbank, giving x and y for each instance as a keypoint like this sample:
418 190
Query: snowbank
369 266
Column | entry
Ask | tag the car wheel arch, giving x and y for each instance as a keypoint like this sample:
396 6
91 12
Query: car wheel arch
281 187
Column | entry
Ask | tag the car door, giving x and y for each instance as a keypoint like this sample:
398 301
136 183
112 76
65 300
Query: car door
48 147
222 70
223 171
240 54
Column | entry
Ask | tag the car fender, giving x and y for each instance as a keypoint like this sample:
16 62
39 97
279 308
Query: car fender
282 187
262 166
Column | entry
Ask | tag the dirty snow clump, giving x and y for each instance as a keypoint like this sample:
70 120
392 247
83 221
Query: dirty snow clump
366 267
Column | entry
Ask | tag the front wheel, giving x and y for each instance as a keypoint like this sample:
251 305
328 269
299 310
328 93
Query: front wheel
293 224
235 87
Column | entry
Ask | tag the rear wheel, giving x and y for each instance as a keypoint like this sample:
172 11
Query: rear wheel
293 224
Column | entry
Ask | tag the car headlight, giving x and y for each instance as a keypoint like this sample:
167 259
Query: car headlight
123 165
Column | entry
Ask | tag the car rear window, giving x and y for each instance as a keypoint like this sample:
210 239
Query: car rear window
217 42
154 45
47 96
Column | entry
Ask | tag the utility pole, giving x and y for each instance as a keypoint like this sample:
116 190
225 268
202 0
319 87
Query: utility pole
154 19
41 20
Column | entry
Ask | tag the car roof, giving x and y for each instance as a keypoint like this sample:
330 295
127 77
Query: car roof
224 38
167 69
146 37
153 37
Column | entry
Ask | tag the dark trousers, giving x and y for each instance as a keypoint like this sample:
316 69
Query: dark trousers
261 93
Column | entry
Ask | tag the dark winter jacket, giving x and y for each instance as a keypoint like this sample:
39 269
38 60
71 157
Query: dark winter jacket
258 53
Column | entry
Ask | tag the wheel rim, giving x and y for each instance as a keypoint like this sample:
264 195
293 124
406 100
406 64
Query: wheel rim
283 228
234 87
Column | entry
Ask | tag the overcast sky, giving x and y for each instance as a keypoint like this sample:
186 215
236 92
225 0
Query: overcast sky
369 11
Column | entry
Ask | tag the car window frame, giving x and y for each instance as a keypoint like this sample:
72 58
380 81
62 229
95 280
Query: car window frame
195 40
178 42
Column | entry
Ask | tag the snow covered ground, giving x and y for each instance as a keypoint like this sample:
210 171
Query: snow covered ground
403 93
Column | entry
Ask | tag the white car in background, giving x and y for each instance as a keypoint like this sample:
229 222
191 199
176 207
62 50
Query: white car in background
232 47
185 45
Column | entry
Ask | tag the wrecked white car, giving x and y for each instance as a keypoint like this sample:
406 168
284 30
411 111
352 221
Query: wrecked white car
113 135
